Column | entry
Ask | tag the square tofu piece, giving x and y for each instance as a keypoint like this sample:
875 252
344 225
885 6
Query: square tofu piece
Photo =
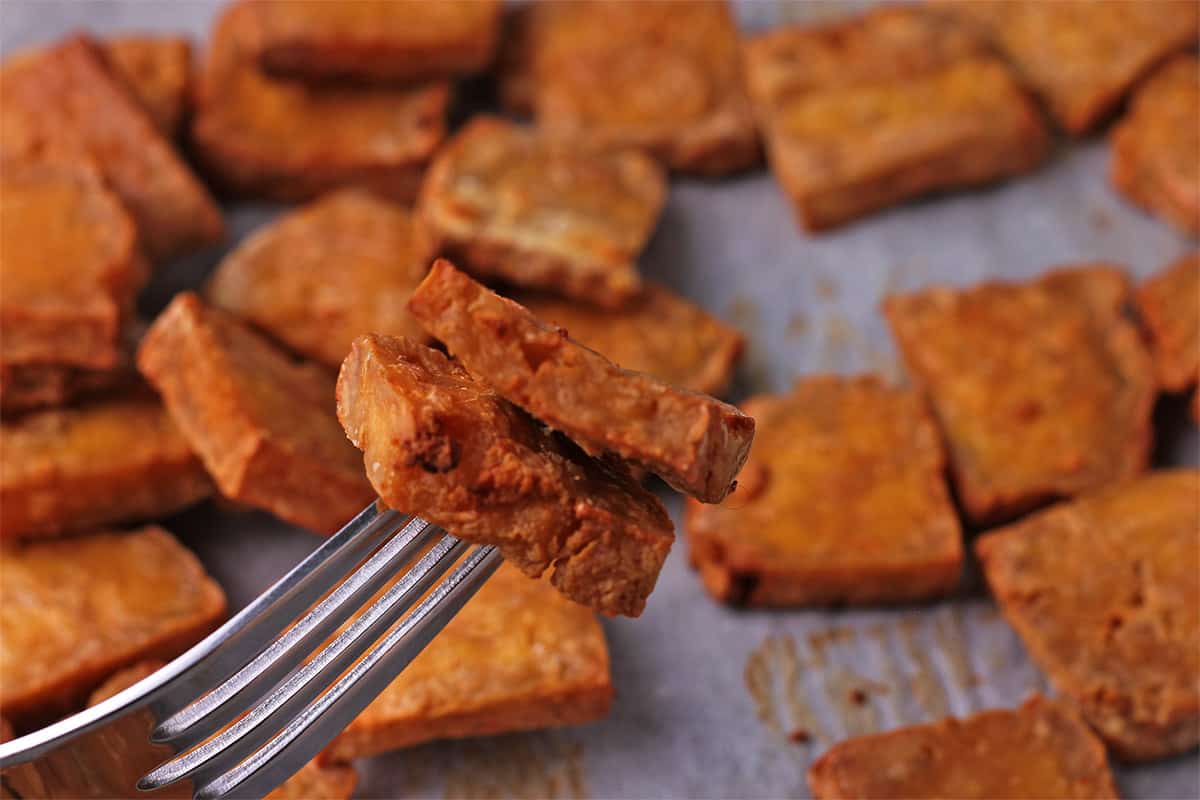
1105 593
68 99
73 611
508 203
262 423
1083 56
118 458
862 114
159 71
318 278
283 140
694 442
1156 147
438 440
375 40
843 500
1042 389
1169 304
660 75
1038 750
519 656
657 332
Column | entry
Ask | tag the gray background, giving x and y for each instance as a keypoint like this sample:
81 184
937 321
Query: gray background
709 698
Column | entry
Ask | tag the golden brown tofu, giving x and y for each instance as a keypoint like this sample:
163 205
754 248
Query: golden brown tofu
693 441
76 610
1039 750
67 100
159 71
435 438
661 76
375 40
508 203
283 140
1042 389
519 656
319 277
1082 57
117 458
1105 593
1156 147
1169 304
863 114
262 423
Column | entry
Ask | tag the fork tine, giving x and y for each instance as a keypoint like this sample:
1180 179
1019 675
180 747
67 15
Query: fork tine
224 750
316 725
196 722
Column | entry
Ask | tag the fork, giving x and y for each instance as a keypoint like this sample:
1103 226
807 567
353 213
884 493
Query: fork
257 699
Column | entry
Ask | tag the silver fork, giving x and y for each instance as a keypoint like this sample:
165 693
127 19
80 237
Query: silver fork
252 703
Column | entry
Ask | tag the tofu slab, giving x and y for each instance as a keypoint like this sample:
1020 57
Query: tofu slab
1170 311
1156 147
117 458
662 76
262 422
159 71
68 99
1105 594
1079 414
1038 750
319 277
437 441
694 442
863 114
375 40
280 140
76 610
519 656
843 500
508 203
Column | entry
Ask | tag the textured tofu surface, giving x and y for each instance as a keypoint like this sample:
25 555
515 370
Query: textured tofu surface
159 70
1169 304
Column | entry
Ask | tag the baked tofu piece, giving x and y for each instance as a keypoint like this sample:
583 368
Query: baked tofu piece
436 438
865 113
69 265
283 140
1042 389
519 656
693 441
663 76
1169 304
262 423
1082 57
1156 147
508 203
159 71
25 387
657 332
1039 750
321 276
843 500
117 458
1105 593
68 100
375 41
76 610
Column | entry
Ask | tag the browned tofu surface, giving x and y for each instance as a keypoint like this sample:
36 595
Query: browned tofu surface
693 441
1039 750
1169 305
862 114
437 439
519 656
1082 57
159 70
1105 593
262 423
283 140
68 100
506 202
1042 389
26 387
1156 147
117 458
73 611
319 277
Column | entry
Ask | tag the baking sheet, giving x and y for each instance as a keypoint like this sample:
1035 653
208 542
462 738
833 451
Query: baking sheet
713 702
